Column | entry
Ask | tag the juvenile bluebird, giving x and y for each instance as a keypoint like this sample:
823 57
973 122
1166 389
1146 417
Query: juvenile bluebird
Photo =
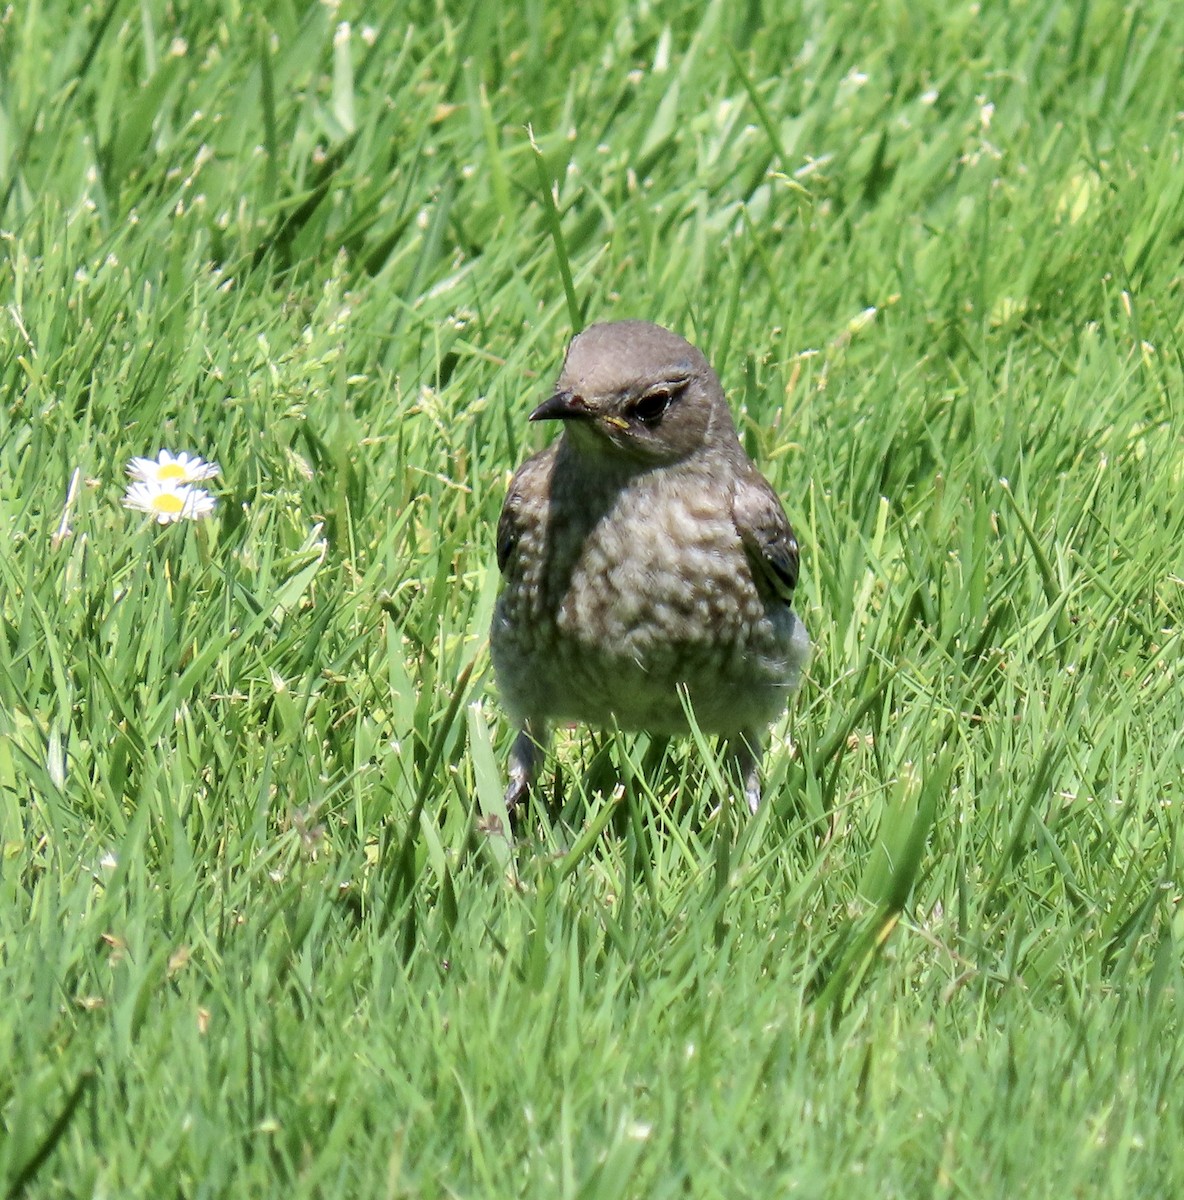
643 556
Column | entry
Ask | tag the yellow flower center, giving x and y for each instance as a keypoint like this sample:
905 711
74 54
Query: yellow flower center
168 502
170 471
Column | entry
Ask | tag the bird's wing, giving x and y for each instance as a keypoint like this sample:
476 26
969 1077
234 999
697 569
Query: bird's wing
766 535
529 487
509 526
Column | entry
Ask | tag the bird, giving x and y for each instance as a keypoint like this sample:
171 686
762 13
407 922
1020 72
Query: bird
646 562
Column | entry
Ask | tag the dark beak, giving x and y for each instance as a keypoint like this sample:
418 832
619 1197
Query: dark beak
561 407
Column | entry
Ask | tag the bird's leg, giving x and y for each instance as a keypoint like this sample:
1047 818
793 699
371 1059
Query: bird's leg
745 751
525 756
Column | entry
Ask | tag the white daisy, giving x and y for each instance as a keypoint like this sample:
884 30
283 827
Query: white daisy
169 502
168 468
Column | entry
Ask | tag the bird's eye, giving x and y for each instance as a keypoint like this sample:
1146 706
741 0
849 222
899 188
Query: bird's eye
651 408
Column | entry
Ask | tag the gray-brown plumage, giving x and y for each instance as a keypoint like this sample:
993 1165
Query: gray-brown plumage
643 554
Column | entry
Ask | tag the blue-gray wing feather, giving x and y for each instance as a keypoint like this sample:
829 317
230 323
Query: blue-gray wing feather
766 535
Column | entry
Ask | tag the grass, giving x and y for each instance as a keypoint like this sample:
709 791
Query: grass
256 937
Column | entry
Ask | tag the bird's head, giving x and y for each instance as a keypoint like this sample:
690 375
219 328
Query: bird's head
638 391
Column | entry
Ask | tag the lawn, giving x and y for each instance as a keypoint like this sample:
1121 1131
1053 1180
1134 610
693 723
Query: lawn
264 930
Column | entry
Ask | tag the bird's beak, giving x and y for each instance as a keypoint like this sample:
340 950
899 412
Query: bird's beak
561 407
